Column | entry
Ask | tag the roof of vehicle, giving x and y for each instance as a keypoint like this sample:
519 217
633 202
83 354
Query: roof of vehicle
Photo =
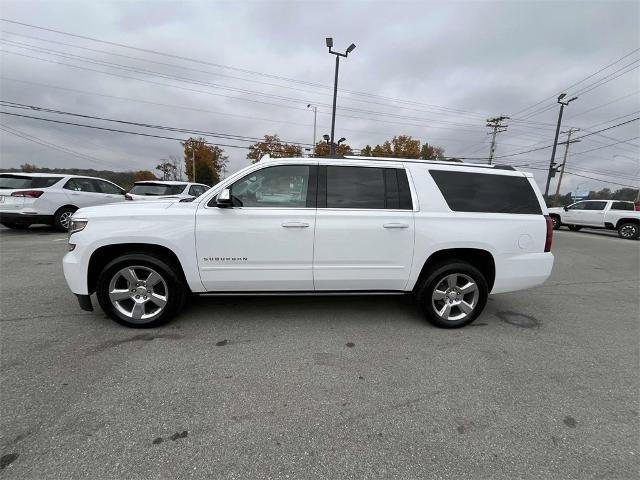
163 182
52 174
266 158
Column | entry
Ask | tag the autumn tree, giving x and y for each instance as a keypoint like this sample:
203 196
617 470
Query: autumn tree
383 150
142 175
28 168
274 147
431 152
405 147
322 149
167 168
209 161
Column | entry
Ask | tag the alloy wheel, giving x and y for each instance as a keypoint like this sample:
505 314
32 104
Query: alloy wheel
455 297
628 231
138 293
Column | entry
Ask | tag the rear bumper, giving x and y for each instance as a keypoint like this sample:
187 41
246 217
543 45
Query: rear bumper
25 218
522 271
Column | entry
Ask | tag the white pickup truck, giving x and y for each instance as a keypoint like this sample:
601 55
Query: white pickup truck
449 233
610 214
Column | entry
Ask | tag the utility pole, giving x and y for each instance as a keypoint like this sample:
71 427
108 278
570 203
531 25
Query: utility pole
552 164
564 160
498 127
193 160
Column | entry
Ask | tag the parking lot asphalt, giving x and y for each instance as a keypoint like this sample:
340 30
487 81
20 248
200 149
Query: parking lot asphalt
545 384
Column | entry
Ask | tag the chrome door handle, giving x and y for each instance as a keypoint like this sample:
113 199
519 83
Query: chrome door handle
396 225
295 225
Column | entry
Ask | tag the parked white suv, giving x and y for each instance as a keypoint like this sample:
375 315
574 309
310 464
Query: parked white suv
49 198
450 233
610 214
165 190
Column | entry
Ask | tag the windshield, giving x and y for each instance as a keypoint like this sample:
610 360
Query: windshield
10 182
156 189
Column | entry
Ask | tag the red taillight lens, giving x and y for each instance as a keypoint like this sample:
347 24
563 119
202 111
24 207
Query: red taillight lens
547 243
28 193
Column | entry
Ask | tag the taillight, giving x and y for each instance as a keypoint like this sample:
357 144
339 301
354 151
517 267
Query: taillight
547 243
28 193
128 197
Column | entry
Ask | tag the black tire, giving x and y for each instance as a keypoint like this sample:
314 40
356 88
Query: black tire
442 271
173 289
629 231
556 222
575 228
16 226
61 217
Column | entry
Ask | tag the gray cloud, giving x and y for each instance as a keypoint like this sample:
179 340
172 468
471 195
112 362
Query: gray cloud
489 58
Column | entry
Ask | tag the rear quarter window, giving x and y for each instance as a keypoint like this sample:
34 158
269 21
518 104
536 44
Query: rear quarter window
486 193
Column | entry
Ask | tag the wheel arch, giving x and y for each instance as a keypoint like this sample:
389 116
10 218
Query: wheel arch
105 254
627 220
67 205
481 259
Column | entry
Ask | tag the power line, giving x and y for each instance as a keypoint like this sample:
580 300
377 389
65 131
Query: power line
604 146
604 104
553 97
242 70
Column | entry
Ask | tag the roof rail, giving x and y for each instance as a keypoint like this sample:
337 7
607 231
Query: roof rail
419 160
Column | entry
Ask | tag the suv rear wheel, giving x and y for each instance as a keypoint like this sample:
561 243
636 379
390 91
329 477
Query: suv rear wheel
556 222
139 290
62 218
629 231
453 295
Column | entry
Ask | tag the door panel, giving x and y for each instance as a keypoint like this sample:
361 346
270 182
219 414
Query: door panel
255 249
363 250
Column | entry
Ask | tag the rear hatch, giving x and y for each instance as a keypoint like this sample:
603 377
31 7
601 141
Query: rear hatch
22 190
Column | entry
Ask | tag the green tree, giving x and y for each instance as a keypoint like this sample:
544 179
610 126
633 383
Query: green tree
210 160
366 151
432 152
274 147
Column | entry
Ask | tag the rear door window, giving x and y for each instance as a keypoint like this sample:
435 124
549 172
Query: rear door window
366 188
622 206
485 192
81 185
10 182
595 205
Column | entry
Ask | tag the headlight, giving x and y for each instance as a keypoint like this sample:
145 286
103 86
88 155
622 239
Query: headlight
77 225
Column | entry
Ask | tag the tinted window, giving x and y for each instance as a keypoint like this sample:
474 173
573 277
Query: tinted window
355 187
196 190
157 189
483 192
22 181
285 186
107 187
578 206
622 206
595 205
81 185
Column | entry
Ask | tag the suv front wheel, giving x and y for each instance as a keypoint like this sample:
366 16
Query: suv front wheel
453 295
140 290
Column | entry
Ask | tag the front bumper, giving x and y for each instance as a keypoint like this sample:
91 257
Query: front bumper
25 218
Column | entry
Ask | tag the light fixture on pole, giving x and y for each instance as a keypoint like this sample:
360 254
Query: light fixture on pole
350 49
551 171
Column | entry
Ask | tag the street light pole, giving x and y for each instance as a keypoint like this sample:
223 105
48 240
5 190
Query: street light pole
350 48
555 141
315 114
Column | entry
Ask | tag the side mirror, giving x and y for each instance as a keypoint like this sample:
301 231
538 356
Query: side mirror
224 199
565 208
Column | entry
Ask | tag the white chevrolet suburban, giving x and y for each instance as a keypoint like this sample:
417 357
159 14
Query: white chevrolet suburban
610 214
450 233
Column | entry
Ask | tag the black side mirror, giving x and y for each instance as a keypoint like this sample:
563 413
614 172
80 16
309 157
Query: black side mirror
565 208
224 199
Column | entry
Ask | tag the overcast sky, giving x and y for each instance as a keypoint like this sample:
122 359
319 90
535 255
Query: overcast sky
432 70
